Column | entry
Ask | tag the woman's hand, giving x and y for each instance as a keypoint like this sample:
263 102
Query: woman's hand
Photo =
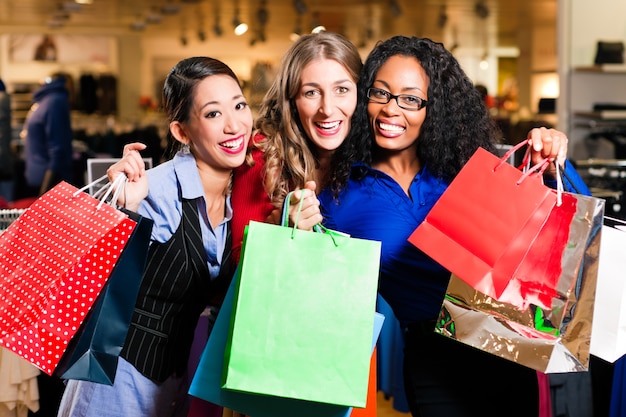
548 143
310 214
133 166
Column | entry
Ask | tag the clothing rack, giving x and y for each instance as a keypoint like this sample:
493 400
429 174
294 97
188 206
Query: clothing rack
8 216
18 377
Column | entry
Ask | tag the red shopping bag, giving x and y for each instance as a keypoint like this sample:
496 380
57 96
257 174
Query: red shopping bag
482 226
371 402
54 261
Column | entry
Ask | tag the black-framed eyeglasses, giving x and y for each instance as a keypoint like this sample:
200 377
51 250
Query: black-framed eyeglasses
405 101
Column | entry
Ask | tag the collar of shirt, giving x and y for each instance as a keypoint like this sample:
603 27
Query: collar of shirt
190 183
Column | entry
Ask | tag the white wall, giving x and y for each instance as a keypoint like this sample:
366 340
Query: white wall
581 23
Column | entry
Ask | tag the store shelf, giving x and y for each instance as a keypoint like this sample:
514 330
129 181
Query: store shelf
605 68
603 115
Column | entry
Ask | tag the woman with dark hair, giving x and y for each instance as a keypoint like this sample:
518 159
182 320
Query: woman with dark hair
188 266
418 120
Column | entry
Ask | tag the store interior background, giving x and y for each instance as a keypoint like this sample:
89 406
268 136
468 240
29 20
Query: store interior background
531 44
544 47
523 51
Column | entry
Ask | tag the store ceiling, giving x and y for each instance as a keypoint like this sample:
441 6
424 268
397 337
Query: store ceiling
465 22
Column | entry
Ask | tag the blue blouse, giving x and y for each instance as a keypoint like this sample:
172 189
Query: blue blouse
168 184
377 208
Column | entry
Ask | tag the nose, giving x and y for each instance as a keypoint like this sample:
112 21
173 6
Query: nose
392 107
326 105
231 123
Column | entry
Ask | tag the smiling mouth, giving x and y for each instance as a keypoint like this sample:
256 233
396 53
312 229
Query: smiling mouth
328 125
391 128
232 144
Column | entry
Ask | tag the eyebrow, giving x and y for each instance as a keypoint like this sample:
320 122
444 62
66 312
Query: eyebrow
313 83
404 90
209 103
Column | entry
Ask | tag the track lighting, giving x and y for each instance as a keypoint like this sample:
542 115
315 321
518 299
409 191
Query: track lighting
154 16
317 27
297 30
394 8
300 7
217 27
240 27
170 8
481 9
443 16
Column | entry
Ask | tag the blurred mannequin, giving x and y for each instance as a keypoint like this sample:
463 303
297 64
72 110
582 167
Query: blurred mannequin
48 137
46 50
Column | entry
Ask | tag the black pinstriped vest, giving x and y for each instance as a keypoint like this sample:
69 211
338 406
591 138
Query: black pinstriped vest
175 290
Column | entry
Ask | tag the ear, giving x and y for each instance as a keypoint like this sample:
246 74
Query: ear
179 132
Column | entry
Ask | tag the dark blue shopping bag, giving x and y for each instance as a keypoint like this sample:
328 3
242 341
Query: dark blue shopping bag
92 355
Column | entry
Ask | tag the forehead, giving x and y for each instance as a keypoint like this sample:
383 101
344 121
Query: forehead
216 88
325 70
403 72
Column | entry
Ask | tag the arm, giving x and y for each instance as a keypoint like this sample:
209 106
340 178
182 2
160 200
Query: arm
133 166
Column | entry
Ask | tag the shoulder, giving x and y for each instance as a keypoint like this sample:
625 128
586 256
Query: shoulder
162 181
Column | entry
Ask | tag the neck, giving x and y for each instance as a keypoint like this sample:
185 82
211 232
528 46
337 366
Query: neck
402 166
322 171
214 182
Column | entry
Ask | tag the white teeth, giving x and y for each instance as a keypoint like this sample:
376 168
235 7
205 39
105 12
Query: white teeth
232 144
328 125
393 128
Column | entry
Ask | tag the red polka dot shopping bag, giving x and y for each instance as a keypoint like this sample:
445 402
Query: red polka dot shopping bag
55 260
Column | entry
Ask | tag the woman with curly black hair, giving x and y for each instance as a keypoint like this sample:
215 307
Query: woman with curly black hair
418 121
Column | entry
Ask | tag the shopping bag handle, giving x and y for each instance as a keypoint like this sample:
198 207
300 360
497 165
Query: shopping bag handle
318 228
525 167
537 169
103 193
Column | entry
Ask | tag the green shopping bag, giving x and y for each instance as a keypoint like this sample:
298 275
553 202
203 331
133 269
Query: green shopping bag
301 325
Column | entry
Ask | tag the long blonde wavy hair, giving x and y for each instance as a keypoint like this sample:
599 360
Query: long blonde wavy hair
290 161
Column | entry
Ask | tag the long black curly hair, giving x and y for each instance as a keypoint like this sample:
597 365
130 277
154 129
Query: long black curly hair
457 121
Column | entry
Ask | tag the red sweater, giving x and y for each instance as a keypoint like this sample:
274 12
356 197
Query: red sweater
248 198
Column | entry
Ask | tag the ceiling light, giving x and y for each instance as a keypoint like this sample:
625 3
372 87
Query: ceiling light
316 25
83 1
297 30
394 8
217 29
55 23
443 17
71 6
484 63
240 27
170 8
154 16
138 25
481 9
300 7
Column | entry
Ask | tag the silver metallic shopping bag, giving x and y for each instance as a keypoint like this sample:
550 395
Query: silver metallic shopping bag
550 337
